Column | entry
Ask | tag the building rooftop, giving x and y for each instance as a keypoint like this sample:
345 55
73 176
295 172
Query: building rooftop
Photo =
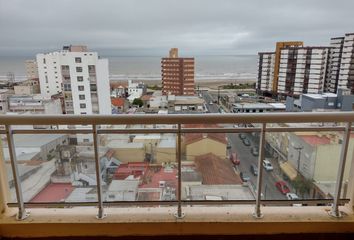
54 192
118 102
155 174
35 140
194 137
123 185
167 143
315 140
216 170
215 192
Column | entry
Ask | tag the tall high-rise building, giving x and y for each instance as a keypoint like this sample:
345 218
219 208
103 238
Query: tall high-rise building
334 62
278 47
302 70
31 69
265 71
81 76
177 74
346 71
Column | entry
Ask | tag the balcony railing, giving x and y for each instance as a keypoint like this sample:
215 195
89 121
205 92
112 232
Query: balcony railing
178 123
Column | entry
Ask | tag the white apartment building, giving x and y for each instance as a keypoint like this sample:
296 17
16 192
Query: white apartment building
266 63
135 90
81 76
346 72
334 62
302 70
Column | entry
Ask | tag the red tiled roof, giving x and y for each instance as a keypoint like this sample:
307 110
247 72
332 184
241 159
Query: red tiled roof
194 137
146 97
118 102
54 192
155 174
124 170
215 170
315 140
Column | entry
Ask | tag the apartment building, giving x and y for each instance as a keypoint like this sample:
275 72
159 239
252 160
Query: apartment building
302 70
266 63
334 62
31 69
346 71
177 74
79 75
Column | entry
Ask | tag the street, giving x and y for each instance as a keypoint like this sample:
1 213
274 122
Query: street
269 191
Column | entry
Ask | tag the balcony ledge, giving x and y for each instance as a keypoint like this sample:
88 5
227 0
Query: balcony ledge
157 221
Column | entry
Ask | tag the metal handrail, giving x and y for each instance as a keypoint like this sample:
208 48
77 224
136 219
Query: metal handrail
179 120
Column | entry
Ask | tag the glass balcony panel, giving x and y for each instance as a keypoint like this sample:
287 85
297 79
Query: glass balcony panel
304 164
56 168
140 166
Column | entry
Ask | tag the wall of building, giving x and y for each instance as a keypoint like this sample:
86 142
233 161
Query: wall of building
205 146
165 155
126 155
327 162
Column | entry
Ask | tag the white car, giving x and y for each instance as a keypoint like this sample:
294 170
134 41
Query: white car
267 165
211 103
292 196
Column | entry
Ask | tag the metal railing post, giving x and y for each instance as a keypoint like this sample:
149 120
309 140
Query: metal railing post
343 156
101 213
257 211
22 213
179 213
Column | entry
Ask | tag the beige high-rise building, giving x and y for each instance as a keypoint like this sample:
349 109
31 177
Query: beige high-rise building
177 74
31 69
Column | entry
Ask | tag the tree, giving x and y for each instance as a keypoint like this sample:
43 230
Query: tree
138 102
302 186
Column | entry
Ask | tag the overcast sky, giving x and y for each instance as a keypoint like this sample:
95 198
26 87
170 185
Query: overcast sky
151 27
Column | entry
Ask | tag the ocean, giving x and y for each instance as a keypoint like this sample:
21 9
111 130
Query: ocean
207 68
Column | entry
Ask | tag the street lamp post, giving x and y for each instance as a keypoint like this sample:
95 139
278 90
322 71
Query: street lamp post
299 149
218 95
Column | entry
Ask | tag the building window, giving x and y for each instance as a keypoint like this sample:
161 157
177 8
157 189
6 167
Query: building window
81 88
83 113
78 60
44 61
78 69
67 87
86 140
82 97
80 78
82 105
93 87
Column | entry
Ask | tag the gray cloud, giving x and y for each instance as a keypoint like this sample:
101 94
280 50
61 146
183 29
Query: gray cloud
140 27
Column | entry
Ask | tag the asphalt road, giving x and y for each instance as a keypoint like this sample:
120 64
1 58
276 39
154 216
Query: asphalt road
244 154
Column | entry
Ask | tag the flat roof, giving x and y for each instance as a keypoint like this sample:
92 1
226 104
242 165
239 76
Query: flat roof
123 185
35 140
227 192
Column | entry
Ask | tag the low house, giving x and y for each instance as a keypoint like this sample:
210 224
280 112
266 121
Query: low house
196 144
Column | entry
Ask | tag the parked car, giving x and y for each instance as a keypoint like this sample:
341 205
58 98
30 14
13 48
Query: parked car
244 177
254 151
246 142
254 169
242 136
234 159
282 187
267 165
228 146
292 196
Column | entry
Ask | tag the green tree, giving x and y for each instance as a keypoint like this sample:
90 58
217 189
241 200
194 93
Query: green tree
302 186
138 102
